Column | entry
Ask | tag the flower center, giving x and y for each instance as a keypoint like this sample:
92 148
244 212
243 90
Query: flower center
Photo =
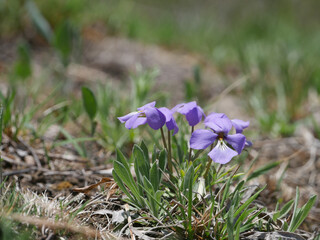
220 136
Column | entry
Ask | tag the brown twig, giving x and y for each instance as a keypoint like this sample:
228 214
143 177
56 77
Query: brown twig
31 150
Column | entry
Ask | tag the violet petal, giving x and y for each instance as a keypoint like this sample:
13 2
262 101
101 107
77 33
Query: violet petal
223 124
155 118
221 153
202 138
152 104
239 125
126 117
237 141
135 121
186 107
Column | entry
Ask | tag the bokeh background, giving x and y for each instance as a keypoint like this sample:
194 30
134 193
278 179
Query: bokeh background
254 60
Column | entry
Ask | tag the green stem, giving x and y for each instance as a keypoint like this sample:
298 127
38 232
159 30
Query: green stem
1 111
169 153
163 139
208 165
190 150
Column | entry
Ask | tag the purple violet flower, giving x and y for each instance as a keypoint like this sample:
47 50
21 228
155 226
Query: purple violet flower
145 114
220 125
192 111
170 122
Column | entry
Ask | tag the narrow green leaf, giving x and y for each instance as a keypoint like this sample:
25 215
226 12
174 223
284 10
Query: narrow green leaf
284 211
121 158
63 40
163 160
239 186
127 179
143 165
144 148
154 153
189 180
230 220
250 200
39 21
295 209
120 184
154 176
73 141
89 102
1 113
303 213
226 191
138 176
150 195
22 67
263 170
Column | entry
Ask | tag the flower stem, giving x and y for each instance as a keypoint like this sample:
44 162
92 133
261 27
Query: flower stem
163 139
190 150
169 153
208 165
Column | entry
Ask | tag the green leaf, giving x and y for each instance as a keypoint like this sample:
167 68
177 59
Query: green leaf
263 170
121 158
189 182
230 220
63 40
1 114
250 200
39 21
22 67
154 176
163 160
144 148
142 165
302 214
128 180
89 102
284 211
295 209
150 193
226 191
188 178
120 184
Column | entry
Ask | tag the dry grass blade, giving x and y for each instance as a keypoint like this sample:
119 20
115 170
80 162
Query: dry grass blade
90 187
39 222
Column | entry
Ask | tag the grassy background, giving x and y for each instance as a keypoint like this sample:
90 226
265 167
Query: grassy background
274 44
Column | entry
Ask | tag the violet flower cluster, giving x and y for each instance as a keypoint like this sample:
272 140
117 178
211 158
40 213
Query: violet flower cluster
218 127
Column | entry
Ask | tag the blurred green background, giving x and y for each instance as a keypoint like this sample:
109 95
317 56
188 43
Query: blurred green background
274 44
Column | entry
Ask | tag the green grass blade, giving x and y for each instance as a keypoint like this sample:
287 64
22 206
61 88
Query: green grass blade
303 213
263 170
284 211
250 200
189 183
295 209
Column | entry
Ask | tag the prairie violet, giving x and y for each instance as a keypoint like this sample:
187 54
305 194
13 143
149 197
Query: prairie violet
145 114
220 126
192 111
170 122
